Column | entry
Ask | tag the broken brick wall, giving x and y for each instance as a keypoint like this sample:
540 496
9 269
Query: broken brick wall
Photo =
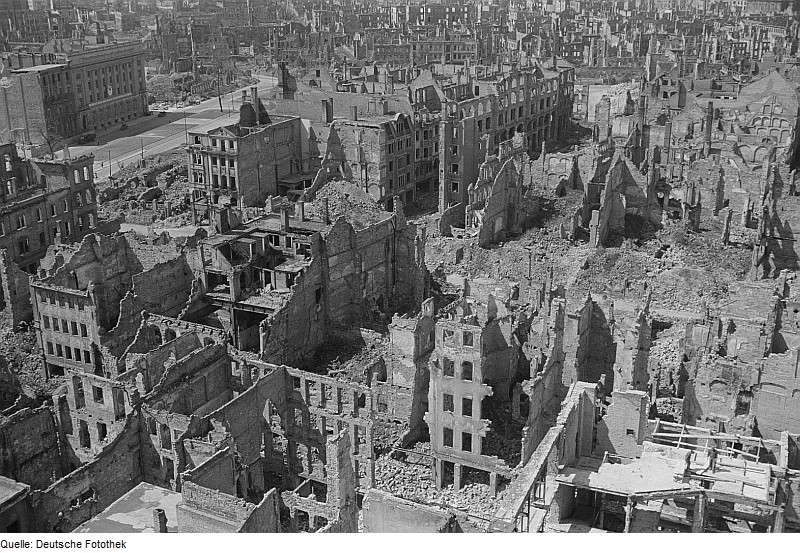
452 216
95 412
782 225
165 288
152 364
589 336
622 429
206 510
384 513
160 451
297 329
632 336
546 389
196 384
107 262
412 341
29 448
15 293
717 394
247 419
92 487
216 473
265 518
776 397
317 407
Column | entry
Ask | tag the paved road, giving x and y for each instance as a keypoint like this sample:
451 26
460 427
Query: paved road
154 135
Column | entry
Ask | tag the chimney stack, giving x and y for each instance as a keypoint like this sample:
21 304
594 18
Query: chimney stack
354 113
328 110
385 106
160 521
667 135
285 220
709 123
254 101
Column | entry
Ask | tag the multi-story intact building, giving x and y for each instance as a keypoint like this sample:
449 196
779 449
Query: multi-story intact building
380 153
487 106
89 90
242 164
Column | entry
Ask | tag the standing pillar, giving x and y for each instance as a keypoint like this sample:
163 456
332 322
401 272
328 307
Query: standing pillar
629 508
493 484
456 477
699 520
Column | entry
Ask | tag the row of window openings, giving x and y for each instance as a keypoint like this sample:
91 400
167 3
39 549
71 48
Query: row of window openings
24 245
449 369
65 327
22 219
215 161
97 394
399 144
426 152
448 405
56 299
165 436
466 439
222 181
400 165
426 135
402 180
467 339
65 352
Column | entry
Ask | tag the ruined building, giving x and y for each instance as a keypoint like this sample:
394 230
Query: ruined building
279 282
494 373
43 202
243 164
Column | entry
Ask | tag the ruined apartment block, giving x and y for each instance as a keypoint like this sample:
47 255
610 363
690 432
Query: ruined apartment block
44 202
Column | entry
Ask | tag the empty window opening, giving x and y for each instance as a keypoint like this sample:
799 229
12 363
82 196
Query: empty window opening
447 403
466 441
448 366
447 437
466 406
466 370
83 434
467 339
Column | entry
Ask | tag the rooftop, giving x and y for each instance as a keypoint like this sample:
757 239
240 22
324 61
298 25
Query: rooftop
133 512
11 490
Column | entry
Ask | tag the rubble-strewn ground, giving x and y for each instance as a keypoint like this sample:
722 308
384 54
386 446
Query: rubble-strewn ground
19 355
413 480
128 194
665 356
346 359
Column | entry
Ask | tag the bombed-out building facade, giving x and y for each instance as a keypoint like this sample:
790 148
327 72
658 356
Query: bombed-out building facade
435 298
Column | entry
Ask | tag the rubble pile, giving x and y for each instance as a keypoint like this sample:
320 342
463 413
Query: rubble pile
414 481
159 191
345 201
347 360
19 353
665 356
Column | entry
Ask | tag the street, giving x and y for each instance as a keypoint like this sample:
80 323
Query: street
153 135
